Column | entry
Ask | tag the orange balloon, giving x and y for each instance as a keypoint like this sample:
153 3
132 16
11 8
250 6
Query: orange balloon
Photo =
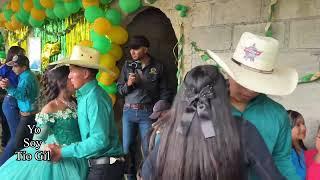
118 35
86 43
88 3
8 25
15 5
15 23
2 18
113 98
107 61
116 51
28 5
101 26
115 72
47 3
39 15
8 6
105 78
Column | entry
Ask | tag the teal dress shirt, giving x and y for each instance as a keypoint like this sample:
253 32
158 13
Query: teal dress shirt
26 92
98 130
271 120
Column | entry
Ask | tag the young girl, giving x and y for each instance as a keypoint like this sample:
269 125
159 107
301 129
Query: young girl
298 133
59 124
313 160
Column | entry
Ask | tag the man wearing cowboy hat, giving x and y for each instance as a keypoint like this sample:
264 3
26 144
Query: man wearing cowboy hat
252 74
142 87
100 141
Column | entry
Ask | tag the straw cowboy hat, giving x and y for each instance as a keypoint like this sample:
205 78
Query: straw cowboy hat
84 57
253 66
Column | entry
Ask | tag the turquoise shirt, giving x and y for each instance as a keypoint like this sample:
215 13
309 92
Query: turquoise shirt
299 163
98 131
26 92
271 120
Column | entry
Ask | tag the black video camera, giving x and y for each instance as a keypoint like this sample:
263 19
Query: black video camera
134 65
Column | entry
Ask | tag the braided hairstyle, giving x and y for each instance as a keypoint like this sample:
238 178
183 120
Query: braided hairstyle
53 81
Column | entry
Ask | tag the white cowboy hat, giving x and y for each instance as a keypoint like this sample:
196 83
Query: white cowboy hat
84 57
253 66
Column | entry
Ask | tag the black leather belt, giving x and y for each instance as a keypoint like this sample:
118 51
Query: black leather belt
138 106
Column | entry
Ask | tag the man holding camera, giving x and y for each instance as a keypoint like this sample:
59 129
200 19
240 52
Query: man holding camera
142 82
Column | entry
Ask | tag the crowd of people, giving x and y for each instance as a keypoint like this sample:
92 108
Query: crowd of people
220 125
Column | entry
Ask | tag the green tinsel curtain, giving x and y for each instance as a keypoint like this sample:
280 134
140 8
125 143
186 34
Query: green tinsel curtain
53 26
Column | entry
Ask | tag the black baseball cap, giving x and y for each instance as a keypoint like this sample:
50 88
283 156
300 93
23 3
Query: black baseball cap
137 42
20 60
159 107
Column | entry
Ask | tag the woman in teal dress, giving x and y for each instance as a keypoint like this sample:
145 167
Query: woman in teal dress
58 123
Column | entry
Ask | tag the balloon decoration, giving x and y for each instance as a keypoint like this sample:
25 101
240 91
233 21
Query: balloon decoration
86 43
129 6
106 32
2 47
114 16
118 35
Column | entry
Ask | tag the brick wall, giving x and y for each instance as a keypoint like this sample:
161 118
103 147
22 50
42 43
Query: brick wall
218 25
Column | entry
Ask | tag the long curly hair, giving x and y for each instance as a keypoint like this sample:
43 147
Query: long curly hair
53 81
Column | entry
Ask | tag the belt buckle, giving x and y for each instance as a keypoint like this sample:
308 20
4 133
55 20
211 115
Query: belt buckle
135 106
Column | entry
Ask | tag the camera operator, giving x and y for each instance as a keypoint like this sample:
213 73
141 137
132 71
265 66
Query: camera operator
142 82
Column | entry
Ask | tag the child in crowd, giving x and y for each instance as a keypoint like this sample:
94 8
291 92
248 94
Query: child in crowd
313 160
298 134
10 110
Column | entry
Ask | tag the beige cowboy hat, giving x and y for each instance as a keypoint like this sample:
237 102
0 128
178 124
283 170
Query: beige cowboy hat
84 57
253 66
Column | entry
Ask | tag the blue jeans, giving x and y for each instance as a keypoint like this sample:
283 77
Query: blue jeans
11 111
132 121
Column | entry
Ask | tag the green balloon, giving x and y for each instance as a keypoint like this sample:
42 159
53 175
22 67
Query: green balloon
98 75
129 6
24 15
102 44
35 23
2 54
94 35
7 14
18 16
111 89
72 7
92 13
60 11
105 1
114 16
50 14
37 5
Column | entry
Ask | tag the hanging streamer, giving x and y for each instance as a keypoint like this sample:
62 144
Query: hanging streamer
180 57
